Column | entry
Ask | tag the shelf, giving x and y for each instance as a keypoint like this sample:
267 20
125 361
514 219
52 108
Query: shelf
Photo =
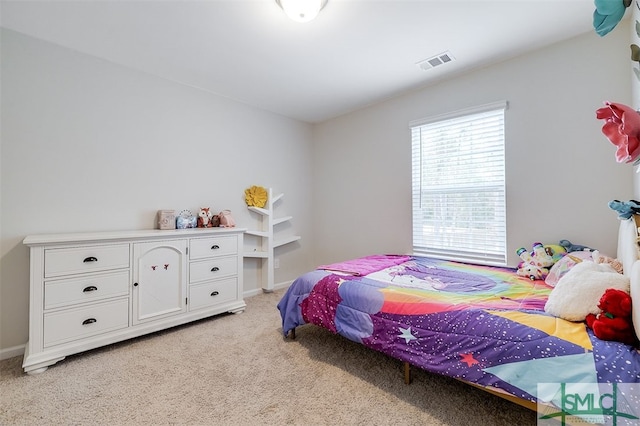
285 241
268 243
259 210
256 254
282 220
276 198
258 233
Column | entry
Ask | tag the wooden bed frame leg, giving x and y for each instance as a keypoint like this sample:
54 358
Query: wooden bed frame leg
292 334
407 373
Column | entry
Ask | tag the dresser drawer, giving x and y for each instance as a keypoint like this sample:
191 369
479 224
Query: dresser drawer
77 260
78 323
200 248
85 289
213 293
218 267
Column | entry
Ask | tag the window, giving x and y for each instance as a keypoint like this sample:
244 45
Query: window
458 175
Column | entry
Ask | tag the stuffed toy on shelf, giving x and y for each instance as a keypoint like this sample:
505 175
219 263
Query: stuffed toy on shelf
204 218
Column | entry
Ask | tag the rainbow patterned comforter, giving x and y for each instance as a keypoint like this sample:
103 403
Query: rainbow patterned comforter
481 324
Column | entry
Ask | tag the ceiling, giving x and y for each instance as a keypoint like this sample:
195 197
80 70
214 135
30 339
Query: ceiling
356 53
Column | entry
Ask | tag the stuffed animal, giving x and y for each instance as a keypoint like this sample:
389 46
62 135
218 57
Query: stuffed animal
569 246
536 264
614 322
601 258
625 209
226 221
204 218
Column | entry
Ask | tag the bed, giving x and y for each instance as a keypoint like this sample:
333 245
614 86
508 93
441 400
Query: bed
482 325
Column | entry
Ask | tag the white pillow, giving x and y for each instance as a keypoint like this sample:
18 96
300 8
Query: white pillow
578 292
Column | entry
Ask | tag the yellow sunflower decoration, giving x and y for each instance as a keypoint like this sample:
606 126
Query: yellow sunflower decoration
255 196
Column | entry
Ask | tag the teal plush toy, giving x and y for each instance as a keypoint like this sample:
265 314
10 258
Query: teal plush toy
625 209
569 246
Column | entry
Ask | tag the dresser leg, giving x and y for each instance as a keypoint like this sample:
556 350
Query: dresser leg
37 371
32 368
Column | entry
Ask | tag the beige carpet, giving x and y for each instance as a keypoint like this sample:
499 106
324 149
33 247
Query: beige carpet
238 370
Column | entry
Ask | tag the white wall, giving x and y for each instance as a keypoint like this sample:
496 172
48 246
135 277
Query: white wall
561 170
88 146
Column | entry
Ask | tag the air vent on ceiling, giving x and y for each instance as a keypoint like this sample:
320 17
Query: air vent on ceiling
435 61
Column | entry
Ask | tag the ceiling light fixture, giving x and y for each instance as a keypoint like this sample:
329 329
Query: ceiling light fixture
302 10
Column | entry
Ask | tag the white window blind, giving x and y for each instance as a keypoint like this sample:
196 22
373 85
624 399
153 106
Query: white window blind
458 175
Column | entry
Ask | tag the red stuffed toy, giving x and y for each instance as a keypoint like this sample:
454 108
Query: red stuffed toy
614 322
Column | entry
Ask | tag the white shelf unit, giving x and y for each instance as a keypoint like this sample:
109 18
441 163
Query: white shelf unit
268 241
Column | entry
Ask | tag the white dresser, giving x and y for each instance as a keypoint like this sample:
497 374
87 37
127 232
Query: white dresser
93 289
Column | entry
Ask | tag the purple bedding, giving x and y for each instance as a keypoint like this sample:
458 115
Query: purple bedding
481 324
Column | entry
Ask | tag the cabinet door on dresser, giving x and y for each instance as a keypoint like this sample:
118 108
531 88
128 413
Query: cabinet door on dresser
159 279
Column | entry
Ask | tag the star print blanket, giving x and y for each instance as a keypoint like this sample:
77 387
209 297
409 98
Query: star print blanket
482 324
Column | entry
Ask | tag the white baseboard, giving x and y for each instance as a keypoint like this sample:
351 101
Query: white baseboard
11 352
255 292
251 293
282 285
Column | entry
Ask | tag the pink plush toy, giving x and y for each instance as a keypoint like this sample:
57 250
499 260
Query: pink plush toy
226 221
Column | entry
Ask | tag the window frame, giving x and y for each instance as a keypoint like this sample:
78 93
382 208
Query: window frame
495 190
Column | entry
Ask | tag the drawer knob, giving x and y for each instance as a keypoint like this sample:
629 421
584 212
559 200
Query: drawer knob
135 284
90 288
215 247
89 321
215 293
90 259
215 269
